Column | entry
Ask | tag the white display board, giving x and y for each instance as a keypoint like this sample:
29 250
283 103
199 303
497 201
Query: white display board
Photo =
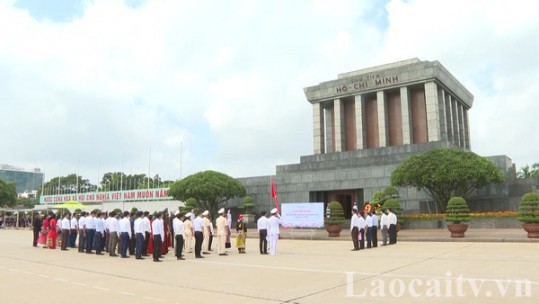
302 215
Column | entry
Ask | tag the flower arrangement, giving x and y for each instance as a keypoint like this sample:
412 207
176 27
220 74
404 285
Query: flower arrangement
437 216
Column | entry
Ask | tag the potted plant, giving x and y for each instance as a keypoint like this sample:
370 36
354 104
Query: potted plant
528 213
248 205
457 213
334 218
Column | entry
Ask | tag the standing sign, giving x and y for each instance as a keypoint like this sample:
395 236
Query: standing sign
302 215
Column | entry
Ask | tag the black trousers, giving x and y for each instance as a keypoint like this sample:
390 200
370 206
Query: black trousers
374 236
263 243
392 234
156 246
178 246
199 237
146 243
362 240
209 241
36 236
355 233
72 238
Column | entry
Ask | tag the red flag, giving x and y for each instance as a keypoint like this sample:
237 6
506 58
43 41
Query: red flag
274 194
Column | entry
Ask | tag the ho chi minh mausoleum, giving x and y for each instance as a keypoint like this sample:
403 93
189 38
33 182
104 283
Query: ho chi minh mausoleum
365 123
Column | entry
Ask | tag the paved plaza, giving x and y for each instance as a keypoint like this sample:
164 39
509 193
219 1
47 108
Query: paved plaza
304 271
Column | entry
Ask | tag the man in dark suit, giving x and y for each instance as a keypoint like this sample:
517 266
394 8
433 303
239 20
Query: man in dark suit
37 225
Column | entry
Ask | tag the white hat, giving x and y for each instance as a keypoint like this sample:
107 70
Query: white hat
177 212
222 210
205 213
274 210
188 214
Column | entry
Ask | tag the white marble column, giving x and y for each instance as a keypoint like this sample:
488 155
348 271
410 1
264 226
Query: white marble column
358 103
405 109
382 126
318 129
442 115
432 105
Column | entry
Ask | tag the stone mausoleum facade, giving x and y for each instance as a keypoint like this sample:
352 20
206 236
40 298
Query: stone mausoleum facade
365 123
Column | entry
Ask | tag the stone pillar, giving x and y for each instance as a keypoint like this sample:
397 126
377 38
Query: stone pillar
382 127
461 125
318 129
466 122
359 121
448 117
455 116
338 112
433 116
442 115
405 108
328 117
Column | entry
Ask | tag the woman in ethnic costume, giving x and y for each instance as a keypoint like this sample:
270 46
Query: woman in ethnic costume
241 231
53 233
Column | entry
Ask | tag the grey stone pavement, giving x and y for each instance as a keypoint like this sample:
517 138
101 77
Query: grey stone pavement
425 266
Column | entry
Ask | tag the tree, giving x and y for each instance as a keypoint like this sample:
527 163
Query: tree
190 204
527 172
67 185
8 193
444 173
248 203
211 189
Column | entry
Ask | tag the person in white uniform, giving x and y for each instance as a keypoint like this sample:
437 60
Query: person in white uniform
222 231
273 230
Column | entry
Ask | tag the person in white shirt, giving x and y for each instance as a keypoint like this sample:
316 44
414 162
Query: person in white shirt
99 233
354 228
73 231
139 235
198 226
66 227
158 236
273 230
147 232
361 227
374 228
384 226
90 232
368 229
262 226
179 232
82 231
114 227
125 234
222 232
392 218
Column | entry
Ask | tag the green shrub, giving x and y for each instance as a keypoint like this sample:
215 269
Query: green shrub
528 211
334 214
457 211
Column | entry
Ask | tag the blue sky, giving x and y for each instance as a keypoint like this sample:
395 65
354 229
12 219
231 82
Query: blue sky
88 85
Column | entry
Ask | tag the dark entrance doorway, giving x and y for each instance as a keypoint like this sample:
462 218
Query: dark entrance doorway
345 197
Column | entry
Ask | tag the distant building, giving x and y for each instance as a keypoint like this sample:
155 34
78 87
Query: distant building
365 123
26 180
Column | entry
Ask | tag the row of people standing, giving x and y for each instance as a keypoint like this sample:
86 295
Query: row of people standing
364 228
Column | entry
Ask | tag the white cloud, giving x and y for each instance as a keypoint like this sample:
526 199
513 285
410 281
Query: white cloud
225 79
